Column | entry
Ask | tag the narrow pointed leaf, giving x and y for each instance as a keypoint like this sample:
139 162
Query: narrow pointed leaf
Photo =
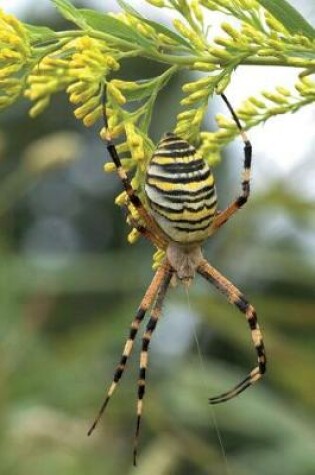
290 18
39 33
114 27
69 12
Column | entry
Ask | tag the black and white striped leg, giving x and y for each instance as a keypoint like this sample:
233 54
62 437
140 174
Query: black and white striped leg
150 294
226 214
150 228
235 297
155 315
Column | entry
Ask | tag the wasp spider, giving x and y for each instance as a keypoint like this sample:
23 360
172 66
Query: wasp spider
180 215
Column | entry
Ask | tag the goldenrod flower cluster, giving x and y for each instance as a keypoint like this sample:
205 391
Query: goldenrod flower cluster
256 110
14 54
80 67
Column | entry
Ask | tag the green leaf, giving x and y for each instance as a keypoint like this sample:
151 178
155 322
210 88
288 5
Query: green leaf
39 33
69 12
290 18
114 27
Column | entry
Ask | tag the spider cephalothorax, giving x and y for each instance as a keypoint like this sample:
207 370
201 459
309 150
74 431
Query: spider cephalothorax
180 215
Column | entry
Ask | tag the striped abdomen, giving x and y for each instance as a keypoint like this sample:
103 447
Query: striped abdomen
180 190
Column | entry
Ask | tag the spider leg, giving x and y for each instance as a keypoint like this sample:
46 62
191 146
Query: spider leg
226 214
235 297
151 230
155 315
145 304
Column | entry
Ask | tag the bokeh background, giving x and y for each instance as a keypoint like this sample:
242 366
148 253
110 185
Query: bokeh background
70 285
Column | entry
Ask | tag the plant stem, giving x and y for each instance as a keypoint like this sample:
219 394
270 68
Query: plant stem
188 60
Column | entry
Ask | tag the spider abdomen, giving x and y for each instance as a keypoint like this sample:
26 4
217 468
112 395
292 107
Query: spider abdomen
180 190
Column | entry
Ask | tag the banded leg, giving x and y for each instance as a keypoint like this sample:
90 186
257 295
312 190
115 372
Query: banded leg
155 315
235 297
151 230
145 304
226 214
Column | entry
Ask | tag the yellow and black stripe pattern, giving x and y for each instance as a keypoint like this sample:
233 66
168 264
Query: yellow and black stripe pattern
180 190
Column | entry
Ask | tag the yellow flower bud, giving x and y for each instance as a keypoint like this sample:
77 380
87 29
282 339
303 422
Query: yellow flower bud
157 3
224 122
283 90
121 199
39 107
92 117
195 7
194 97
116 94
110 167
221 53
232 32
133 236
186 114
277 98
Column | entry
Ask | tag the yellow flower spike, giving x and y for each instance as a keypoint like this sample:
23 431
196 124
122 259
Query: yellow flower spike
195 7
125 85
232 32
277 98
86 108
110 167
196 85
307 81
166 39
40 105
226 42
257 102
221 53
76 87
274 24
264 52
284 91
249 4
198 117
135 182
92 117
204 66
224 134
158 257
132 137
133 236
252 34
7 53
223 83
188 33
182 127
186 114
194 97
85 95
146 30
157 3
224 122
117 130
138 154
9 70
116 94
247 109
121 199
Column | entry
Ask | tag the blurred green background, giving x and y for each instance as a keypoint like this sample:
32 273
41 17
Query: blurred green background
70 285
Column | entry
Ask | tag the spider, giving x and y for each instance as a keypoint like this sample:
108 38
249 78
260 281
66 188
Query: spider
180 215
